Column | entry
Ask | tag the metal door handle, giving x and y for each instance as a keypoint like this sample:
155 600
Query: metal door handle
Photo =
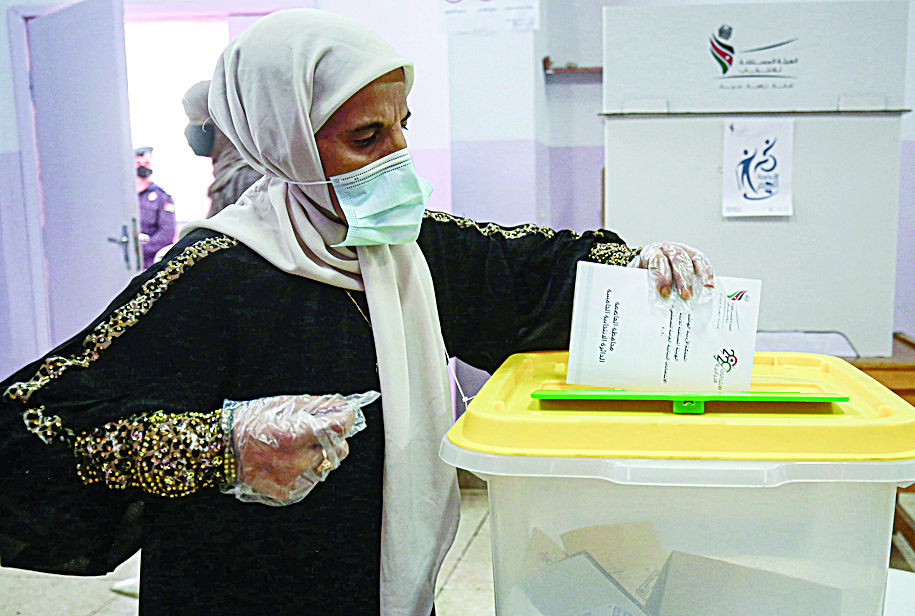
136 243
124 240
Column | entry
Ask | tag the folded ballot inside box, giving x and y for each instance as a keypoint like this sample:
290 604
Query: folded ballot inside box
688 585
579 586
691 585
624 337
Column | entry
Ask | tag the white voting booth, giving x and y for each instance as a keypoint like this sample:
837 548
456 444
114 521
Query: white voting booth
816 218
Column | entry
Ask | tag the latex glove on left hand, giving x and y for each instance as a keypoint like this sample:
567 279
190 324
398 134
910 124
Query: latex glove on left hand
285 445
679 268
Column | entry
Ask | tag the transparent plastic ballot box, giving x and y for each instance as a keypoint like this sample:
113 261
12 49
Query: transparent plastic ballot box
777 500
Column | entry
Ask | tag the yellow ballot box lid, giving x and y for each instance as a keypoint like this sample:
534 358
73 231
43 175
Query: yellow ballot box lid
799 406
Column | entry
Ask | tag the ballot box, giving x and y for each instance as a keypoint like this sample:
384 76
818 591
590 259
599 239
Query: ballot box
777 500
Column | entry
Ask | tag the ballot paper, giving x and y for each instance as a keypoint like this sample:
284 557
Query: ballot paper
578 586
631 553
623 337
691 585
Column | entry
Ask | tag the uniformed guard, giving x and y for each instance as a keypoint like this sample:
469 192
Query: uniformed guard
157 208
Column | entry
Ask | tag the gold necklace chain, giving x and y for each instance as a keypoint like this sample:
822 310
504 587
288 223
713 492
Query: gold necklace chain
359 308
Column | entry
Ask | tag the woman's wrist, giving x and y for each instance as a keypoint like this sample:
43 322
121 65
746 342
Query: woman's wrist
612 254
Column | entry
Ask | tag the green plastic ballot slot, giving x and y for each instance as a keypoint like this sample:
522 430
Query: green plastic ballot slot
691 402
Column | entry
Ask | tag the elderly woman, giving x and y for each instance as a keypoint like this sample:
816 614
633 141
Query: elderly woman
328 278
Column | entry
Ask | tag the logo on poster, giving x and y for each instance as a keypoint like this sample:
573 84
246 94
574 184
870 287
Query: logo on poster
761 67
757 172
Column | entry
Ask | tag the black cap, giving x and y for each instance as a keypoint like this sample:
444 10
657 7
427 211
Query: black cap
143 150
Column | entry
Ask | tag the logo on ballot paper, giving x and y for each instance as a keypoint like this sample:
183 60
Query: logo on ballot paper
738 296
727 359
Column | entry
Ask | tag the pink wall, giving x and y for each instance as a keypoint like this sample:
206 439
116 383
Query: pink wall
575 187
434 166
496 184
493 181
16 332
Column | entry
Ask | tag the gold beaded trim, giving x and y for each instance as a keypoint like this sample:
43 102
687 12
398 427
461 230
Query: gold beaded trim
511 234
612 254
124 317
167 454
229 469
493 229
607 253
48 429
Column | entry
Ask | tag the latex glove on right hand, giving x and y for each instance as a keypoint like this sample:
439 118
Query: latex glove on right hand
285 445
677 267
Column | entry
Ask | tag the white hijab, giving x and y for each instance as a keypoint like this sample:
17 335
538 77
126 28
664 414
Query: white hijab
273 88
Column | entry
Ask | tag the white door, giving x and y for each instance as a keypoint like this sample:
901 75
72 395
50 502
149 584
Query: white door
88 198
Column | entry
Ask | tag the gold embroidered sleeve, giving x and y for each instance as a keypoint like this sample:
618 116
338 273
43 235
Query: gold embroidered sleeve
602 252
612 254
490 229
162 453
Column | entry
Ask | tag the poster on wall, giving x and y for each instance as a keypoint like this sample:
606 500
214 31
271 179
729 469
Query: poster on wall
756 172
487 16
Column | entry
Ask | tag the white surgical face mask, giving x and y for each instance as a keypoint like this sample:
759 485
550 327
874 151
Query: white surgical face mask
383 202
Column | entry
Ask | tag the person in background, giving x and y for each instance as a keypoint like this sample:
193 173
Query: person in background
157 208
231 174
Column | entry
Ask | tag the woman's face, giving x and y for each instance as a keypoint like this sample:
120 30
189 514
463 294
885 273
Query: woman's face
368 126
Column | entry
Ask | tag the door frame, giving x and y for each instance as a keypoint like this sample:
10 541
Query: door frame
208 9
21 241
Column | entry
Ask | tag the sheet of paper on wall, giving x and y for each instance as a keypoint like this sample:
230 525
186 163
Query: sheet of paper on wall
623 339
757 167
489 16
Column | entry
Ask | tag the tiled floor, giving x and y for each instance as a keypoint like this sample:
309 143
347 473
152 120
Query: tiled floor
23 593
465 581
464 588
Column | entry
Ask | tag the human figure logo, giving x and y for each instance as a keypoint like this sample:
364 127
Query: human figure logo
757 172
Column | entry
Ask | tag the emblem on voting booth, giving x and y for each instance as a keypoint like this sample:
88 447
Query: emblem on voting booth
770 61
721 51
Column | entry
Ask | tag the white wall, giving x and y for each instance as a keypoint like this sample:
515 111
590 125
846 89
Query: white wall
494 127
492 86
9 140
